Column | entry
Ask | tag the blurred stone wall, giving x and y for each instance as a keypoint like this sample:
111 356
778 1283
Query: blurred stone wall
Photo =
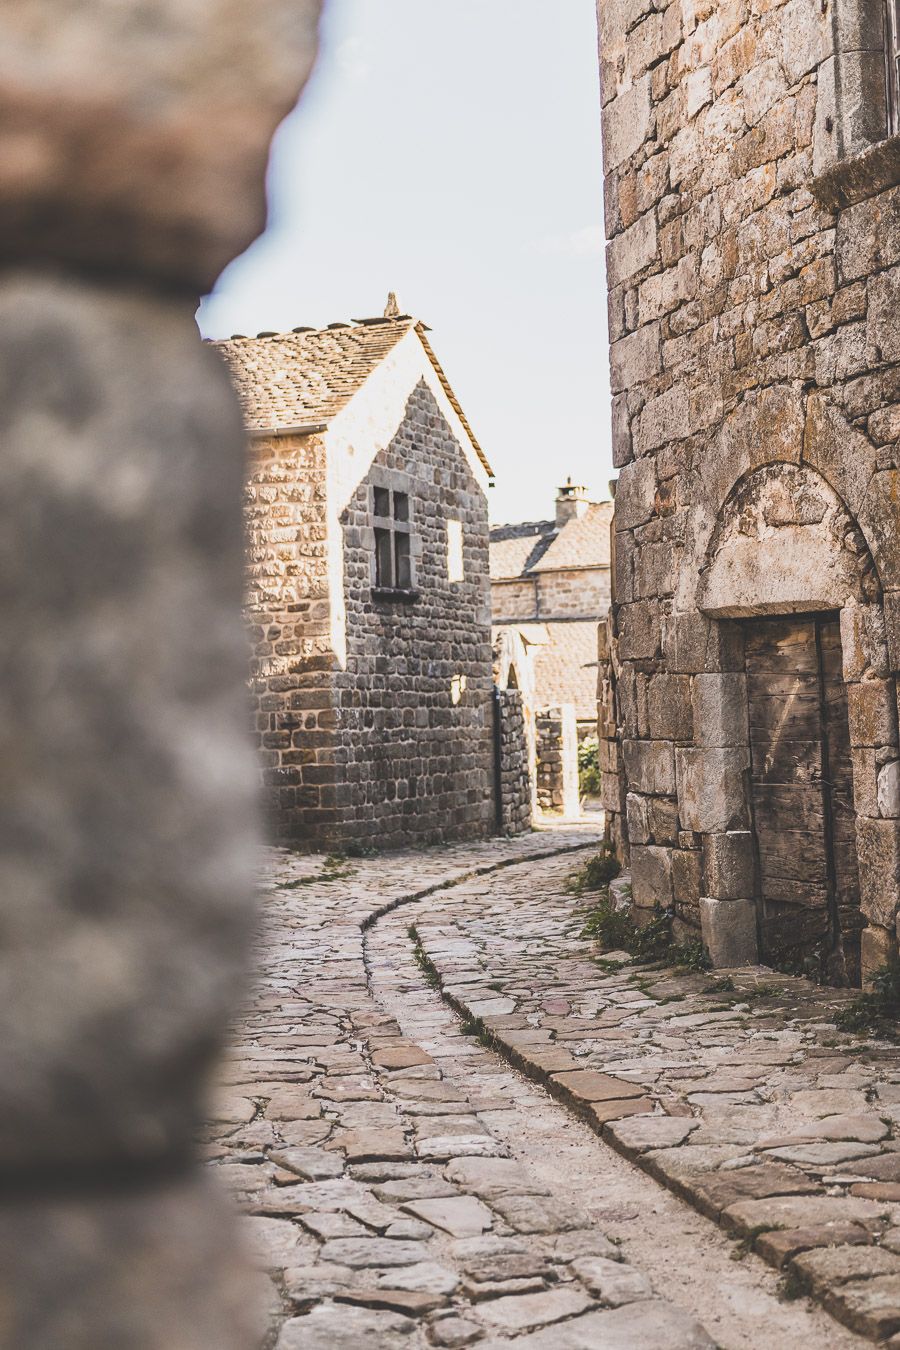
557 761
133 143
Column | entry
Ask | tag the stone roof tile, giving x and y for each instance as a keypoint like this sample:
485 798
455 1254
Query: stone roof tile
306 377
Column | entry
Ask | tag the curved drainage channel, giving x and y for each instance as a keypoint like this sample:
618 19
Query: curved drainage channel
688 1261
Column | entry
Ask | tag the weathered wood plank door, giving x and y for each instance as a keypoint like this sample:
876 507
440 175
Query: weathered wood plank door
802 795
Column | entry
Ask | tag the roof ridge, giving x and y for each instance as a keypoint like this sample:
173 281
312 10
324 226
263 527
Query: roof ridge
404 320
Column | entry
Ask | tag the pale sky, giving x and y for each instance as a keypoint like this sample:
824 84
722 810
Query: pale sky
449 150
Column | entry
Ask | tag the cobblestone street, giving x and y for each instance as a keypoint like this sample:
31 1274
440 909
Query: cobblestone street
411 1106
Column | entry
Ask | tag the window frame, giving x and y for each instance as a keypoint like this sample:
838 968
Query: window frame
393 567
892 64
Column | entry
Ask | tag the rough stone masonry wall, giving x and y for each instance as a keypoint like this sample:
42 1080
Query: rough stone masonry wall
557 761
134 140
413 741
289 619
573 593
515 779
754 280
514 600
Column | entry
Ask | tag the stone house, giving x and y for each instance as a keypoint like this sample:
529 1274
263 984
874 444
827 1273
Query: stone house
368 588
752 165
550 587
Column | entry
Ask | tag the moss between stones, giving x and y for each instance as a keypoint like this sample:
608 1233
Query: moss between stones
879 1008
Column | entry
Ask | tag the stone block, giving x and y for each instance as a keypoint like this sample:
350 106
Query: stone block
851 109
867 239
720 710
656 564
664 419
878 521
621 431
639 631
635 495
630 252
626 124
889 790
728 865
865 782
650 766
883 330
635 358
669 707
686 877
136 139
711 789
637 816
610 792
878 946
805 38
692 643
878 852
728 928
651 876
864 642
892 628
662 813
872 712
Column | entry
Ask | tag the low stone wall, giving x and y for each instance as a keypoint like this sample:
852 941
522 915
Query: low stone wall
515 780
557 760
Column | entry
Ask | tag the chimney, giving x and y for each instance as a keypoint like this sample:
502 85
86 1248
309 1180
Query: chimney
571 503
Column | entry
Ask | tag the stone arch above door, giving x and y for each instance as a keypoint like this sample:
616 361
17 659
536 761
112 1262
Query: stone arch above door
788 425
785 543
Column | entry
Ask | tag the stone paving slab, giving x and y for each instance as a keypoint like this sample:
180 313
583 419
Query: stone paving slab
382 1205
735 1091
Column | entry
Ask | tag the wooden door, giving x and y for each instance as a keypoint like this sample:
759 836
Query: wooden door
802 795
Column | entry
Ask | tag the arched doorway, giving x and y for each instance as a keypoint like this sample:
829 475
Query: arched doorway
788 567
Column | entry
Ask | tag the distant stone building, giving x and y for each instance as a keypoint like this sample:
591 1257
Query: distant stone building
753 215
550 587
368 590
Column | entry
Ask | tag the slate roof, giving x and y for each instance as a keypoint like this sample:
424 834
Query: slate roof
515 548
580 543
537 546
306 377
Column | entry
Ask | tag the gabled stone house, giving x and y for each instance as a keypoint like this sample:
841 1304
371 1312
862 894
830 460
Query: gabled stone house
368 589
550 587
753 213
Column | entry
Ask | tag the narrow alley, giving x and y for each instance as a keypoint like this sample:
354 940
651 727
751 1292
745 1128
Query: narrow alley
447 1124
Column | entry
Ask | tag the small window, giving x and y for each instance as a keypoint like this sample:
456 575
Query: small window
384 574
454 550
393 544
892 54
403 563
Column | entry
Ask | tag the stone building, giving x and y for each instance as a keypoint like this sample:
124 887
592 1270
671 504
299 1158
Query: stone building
550 587
368 590
753 218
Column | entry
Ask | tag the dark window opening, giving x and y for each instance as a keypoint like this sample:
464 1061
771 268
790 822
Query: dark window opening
393 544
384 575
403 565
